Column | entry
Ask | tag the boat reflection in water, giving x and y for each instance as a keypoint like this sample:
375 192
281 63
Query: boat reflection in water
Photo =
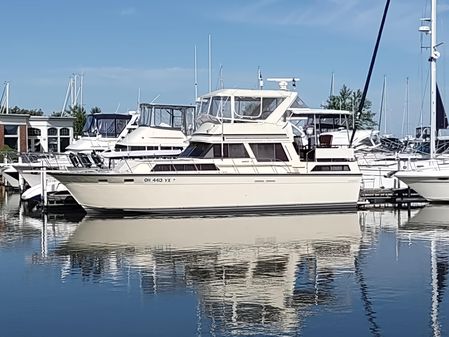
258 274
431 224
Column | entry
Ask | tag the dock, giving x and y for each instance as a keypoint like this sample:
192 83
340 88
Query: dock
396 198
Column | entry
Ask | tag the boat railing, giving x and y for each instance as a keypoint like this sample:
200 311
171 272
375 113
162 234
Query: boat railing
276 166
48 159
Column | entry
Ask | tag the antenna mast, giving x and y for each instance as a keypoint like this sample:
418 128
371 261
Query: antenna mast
195 73
210 63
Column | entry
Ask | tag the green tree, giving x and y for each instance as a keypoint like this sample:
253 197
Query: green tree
56 114
349 100
17 110
80 119
95 110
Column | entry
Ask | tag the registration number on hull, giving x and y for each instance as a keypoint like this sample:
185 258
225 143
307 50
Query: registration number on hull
158 180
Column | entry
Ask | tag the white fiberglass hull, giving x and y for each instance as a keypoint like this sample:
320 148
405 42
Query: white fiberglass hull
187 193
431 185
11 176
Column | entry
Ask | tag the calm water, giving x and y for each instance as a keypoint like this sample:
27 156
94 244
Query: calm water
359 274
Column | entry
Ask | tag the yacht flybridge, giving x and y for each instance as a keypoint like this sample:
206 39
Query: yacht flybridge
248 153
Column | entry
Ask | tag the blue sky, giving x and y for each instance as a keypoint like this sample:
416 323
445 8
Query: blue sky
122 46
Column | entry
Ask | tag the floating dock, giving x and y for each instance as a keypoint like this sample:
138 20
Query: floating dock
397 198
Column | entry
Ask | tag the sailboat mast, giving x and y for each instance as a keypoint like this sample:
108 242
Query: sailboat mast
433 80
385 104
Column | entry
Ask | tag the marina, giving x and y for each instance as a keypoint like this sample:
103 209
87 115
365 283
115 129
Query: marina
167 198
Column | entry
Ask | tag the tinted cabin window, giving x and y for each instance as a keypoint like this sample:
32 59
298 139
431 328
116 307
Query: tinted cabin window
269 152
163 168
52 132
206 167
229 151
327 168
184 167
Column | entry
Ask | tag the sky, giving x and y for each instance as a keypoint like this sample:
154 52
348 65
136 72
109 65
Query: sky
122 47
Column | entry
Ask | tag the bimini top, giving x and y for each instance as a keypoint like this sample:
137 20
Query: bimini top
246 105
105 125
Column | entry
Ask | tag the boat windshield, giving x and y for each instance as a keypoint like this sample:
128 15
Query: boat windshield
219 108
105 125
320 122
166 116
196 150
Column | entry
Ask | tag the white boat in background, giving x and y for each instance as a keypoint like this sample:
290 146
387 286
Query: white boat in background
102 131
431 183
158 131
244 156
161 132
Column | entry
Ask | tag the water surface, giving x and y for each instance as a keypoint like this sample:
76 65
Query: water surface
371 273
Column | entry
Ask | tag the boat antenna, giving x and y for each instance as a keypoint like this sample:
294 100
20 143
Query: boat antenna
118 107
220 79
195 74
405 131
382 104
138 100
370 71
260 78
210 63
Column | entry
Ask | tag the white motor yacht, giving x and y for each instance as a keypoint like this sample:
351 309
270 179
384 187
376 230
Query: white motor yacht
244 156
162 131
102 130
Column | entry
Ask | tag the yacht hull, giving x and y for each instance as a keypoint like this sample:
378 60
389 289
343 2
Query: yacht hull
187 193
432 185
